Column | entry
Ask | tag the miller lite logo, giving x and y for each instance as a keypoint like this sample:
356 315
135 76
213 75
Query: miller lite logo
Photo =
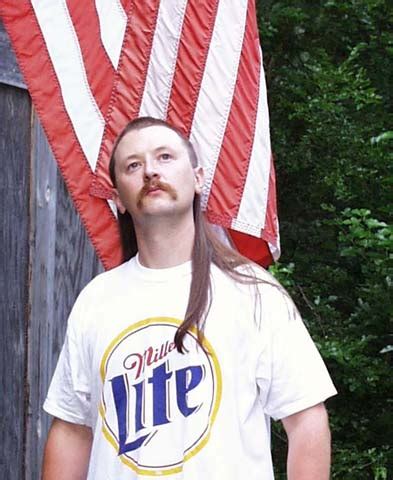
158 405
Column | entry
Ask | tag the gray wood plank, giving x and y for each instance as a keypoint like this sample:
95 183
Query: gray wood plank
9 69
42 308
62 262
76 260
14 255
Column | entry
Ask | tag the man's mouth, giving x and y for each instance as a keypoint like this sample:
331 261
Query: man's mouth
150 188
153 189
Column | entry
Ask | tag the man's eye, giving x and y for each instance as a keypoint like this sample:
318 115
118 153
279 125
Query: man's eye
165 157
133 166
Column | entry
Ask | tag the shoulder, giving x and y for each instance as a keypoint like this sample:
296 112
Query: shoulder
102 287
274 305
261 281
97 300
249 275
110 277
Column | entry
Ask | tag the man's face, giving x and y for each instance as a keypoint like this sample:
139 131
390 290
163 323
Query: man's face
154 174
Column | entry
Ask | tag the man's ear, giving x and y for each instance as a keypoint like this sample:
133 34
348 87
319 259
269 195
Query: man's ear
199 179
118 202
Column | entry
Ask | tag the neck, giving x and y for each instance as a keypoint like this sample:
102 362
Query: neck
164 245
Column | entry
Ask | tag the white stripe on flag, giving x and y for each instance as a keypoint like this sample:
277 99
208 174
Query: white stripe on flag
113 22
64 51
275 250
163 58
218 85
254 199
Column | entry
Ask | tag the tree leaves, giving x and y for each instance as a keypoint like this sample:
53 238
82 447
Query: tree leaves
329 68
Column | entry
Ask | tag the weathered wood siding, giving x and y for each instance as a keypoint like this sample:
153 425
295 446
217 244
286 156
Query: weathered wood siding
45 260
9 71
14 274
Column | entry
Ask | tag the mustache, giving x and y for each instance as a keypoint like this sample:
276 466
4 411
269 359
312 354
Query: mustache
165 187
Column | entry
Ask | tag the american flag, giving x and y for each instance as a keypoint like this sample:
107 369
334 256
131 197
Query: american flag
92 66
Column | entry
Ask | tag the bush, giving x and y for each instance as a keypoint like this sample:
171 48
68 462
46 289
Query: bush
329 65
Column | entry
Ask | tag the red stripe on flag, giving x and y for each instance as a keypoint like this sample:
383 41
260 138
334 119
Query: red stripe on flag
270 231
29 43
194 46
231 170
253 248
99 69
257 249
129 85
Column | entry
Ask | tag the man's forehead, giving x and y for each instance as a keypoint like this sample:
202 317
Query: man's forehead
152 137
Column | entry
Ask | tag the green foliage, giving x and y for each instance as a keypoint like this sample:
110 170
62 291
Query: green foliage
329 67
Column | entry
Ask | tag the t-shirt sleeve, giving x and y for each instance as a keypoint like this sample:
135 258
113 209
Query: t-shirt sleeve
69 392
290 370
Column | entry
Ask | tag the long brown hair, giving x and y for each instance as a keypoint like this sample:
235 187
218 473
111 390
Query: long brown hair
207 249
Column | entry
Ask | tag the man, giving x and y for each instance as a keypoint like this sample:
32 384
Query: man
175 361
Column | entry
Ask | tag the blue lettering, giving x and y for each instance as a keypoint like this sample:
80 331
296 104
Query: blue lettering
139 390
183 387
159 381
121 403
187 379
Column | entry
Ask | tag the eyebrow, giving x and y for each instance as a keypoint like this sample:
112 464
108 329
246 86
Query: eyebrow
133 156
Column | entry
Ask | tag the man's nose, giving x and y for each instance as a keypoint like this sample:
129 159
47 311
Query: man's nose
151 169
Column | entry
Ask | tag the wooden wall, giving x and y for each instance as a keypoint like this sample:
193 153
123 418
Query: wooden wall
45 260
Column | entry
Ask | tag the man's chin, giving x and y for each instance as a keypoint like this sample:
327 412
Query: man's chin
155 208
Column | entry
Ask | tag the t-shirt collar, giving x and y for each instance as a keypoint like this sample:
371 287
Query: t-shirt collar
160 274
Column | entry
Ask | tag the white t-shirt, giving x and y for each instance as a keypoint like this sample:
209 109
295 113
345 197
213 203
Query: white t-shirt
205 414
